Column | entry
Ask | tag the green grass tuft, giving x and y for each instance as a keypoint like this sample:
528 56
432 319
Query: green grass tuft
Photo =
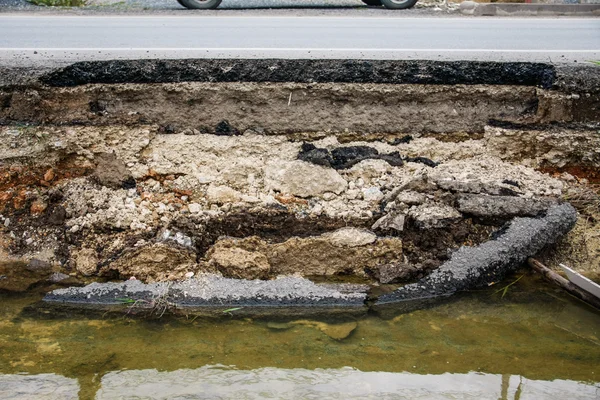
59 3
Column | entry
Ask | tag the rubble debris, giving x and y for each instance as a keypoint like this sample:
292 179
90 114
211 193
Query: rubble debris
347 251
155 262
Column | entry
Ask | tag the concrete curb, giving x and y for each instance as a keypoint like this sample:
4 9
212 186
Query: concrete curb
528 9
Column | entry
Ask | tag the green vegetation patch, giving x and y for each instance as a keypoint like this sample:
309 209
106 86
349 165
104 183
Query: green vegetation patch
59 3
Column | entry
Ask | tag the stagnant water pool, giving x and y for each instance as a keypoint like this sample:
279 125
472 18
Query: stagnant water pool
529 342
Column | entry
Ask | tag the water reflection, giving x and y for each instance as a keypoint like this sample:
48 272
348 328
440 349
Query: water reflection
42 386
221 382
212 382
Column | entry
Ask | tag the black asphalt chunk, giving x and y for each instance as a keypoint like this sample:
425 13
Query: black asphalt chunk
345 157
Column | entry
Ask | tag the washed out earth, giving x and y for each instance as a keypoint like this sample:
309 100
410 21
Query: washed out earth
272 224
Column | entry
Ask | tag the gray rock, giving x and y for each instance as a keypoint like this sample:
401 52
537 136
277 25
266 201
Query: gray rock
428 216
392 221
501 206
392 273
58 277
112 172
475 186
410 198
39 266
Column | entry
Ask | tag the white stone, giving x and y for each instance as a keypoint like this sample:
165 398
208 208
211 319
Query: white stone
350 237
194 208
353 194
372 194
303 179
222 194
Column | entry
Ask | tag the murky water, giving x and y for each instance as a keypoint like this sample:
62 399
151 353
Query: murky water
535 342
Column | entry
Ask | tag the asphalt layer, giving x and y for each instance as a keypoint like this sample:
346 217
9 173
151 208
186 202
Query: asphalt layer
308 71
210 292
473 267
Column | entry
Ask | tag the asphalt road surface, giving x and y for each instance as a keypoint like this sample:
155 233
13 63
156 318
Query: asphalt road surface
59 39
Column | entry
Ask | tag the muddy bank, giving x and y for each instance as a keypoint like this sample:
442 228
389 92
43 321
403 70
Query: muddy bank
468 268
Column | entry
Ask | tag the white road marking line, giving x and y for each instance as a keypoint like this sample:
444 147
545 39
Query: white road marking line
245 49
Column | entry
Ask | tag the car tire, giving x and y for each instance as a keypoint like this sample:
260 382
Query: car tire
376 3
200 4
398 4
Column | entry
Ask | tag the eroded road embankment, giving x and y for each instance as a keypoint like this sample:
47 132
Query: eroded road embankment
376 171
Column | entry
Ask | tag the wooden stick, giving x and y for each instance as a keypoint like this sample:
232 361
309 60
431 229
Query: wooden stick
564 283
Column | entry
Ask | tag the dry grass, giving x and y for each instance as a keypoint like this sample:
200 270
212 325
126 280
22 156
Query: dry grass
580 249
